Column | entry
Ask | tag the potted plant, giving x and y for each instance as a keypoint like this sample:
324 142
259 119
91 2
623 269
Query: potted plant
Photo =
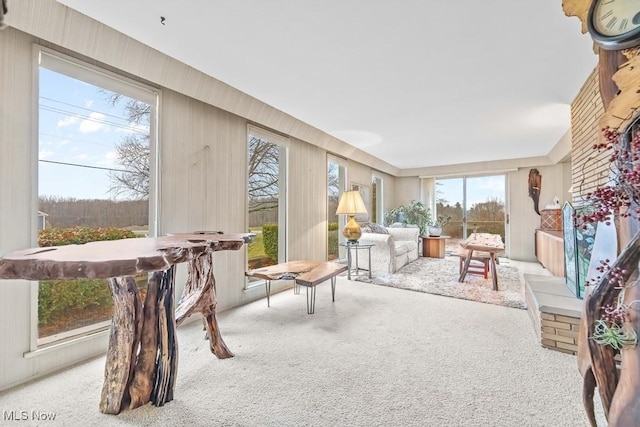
435 227
414 213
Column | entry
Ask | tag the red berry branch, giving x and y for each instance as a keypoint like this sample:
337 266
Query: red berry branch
620 197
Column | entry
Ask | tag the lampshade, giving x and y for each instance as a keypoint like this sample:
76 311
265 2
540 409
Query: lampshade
351 203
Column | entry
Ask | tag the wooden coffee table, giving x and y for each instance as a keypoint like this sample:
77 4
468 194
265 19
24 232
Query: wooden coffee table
304 273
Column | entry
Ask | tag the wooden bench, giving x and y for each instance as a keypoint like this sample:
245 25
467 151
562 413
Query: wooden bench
479 262
478 244
303 273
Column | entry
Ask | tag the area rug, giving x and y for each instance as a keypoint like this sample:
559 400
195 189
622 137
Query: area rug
439 276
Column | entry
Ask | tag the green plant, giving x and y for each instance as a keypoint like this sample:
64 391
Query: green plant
441 221
79 235
332 240
270 239
614 335
61 300
415 213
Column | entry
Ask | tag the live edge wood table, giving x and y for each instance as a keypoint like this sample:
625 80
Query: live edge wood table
141 364
484 242
304 273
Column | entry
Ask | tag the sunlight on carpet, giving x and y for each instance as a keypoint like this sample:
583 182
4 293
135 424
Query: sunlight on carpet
439 276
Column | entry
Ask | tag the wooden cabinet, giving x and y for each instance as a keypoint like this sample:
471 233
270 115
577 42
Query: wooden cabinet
550 251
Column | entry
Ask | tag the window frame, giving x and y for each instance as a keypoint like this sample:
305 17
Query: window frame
283 193
79 69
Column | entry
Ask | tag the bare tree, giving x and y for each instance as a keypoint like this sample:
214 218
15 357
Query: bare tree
133 155
132 150
264 172
333 189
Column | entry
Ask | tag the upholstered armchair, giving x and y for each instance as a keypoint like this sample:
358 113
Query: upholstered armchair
394 248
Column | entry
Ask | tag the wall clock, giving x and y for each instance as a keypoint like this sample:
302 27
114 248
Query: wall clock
615 24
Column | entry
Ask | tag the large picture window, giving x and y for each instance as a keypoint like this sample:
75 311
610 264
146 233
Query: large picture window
96 138
336 184
267 213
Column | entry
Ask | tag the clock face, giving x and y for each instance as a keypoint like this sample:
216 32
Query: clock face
615 24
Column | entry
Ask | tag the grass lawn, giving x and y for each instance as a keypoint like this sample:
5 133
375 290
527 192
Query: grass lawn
256 248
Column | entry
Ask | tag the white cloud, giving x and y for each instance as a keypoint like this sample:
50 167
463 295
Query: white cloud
81 156
88 103
93 124
492 184
134 127
67 121
45 154
109 160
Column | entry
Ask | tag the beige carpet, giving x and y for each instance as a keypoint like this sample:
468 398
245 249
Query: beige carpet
378 356
439 276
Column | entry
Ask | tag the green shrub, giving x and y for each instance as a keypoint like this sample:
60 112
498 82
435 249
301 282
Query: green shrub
332 240
79 235
58 298
270 239
63 299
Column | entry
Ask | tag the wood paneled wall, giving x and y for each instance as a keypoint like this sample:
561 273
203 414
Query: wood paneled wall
523 219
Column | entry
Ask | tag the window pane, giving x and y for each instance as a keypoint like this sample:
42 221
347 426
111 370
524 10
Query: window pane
333 197
377 215
266 170
485 205
94 170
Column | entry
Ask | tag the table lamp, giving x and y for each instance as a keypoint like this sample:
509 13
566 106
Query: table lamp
351 204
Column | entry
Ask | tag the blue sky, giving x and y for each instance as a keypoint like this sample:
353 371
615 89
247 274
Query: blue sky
479 189
78 126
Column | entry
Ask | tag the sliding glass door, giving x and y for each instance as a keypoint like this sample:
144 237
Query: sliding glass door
475 204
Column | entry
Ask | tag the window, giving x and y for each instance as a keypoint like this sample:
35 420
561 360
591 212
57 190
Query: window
97 142
377 215
475 204
336 184
267 160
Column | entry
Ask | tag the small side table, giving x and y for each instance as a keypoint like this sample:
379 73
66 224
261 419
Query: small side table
433 247
356 247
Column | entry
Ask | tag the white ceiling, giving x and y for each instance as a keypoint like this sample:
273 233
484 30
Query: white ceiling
414 82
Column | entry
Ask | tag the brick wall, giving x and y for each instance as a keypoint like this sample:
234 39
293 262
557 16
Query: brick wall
589 168
559 332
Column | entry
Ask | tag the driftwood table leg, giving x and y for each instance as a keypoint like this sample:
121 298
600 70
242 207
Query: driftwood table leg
494 270
167 366
465 269
126 328
140 389
199 295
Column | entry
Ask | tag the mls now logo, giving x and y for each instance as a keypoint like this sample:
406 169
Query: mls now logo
28 415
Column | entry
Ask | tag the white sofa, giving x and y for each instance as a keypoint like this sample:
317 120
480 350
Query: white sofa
391 251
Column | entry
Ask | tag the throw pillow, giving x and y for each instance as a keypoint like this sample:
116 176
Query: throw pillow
377 228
